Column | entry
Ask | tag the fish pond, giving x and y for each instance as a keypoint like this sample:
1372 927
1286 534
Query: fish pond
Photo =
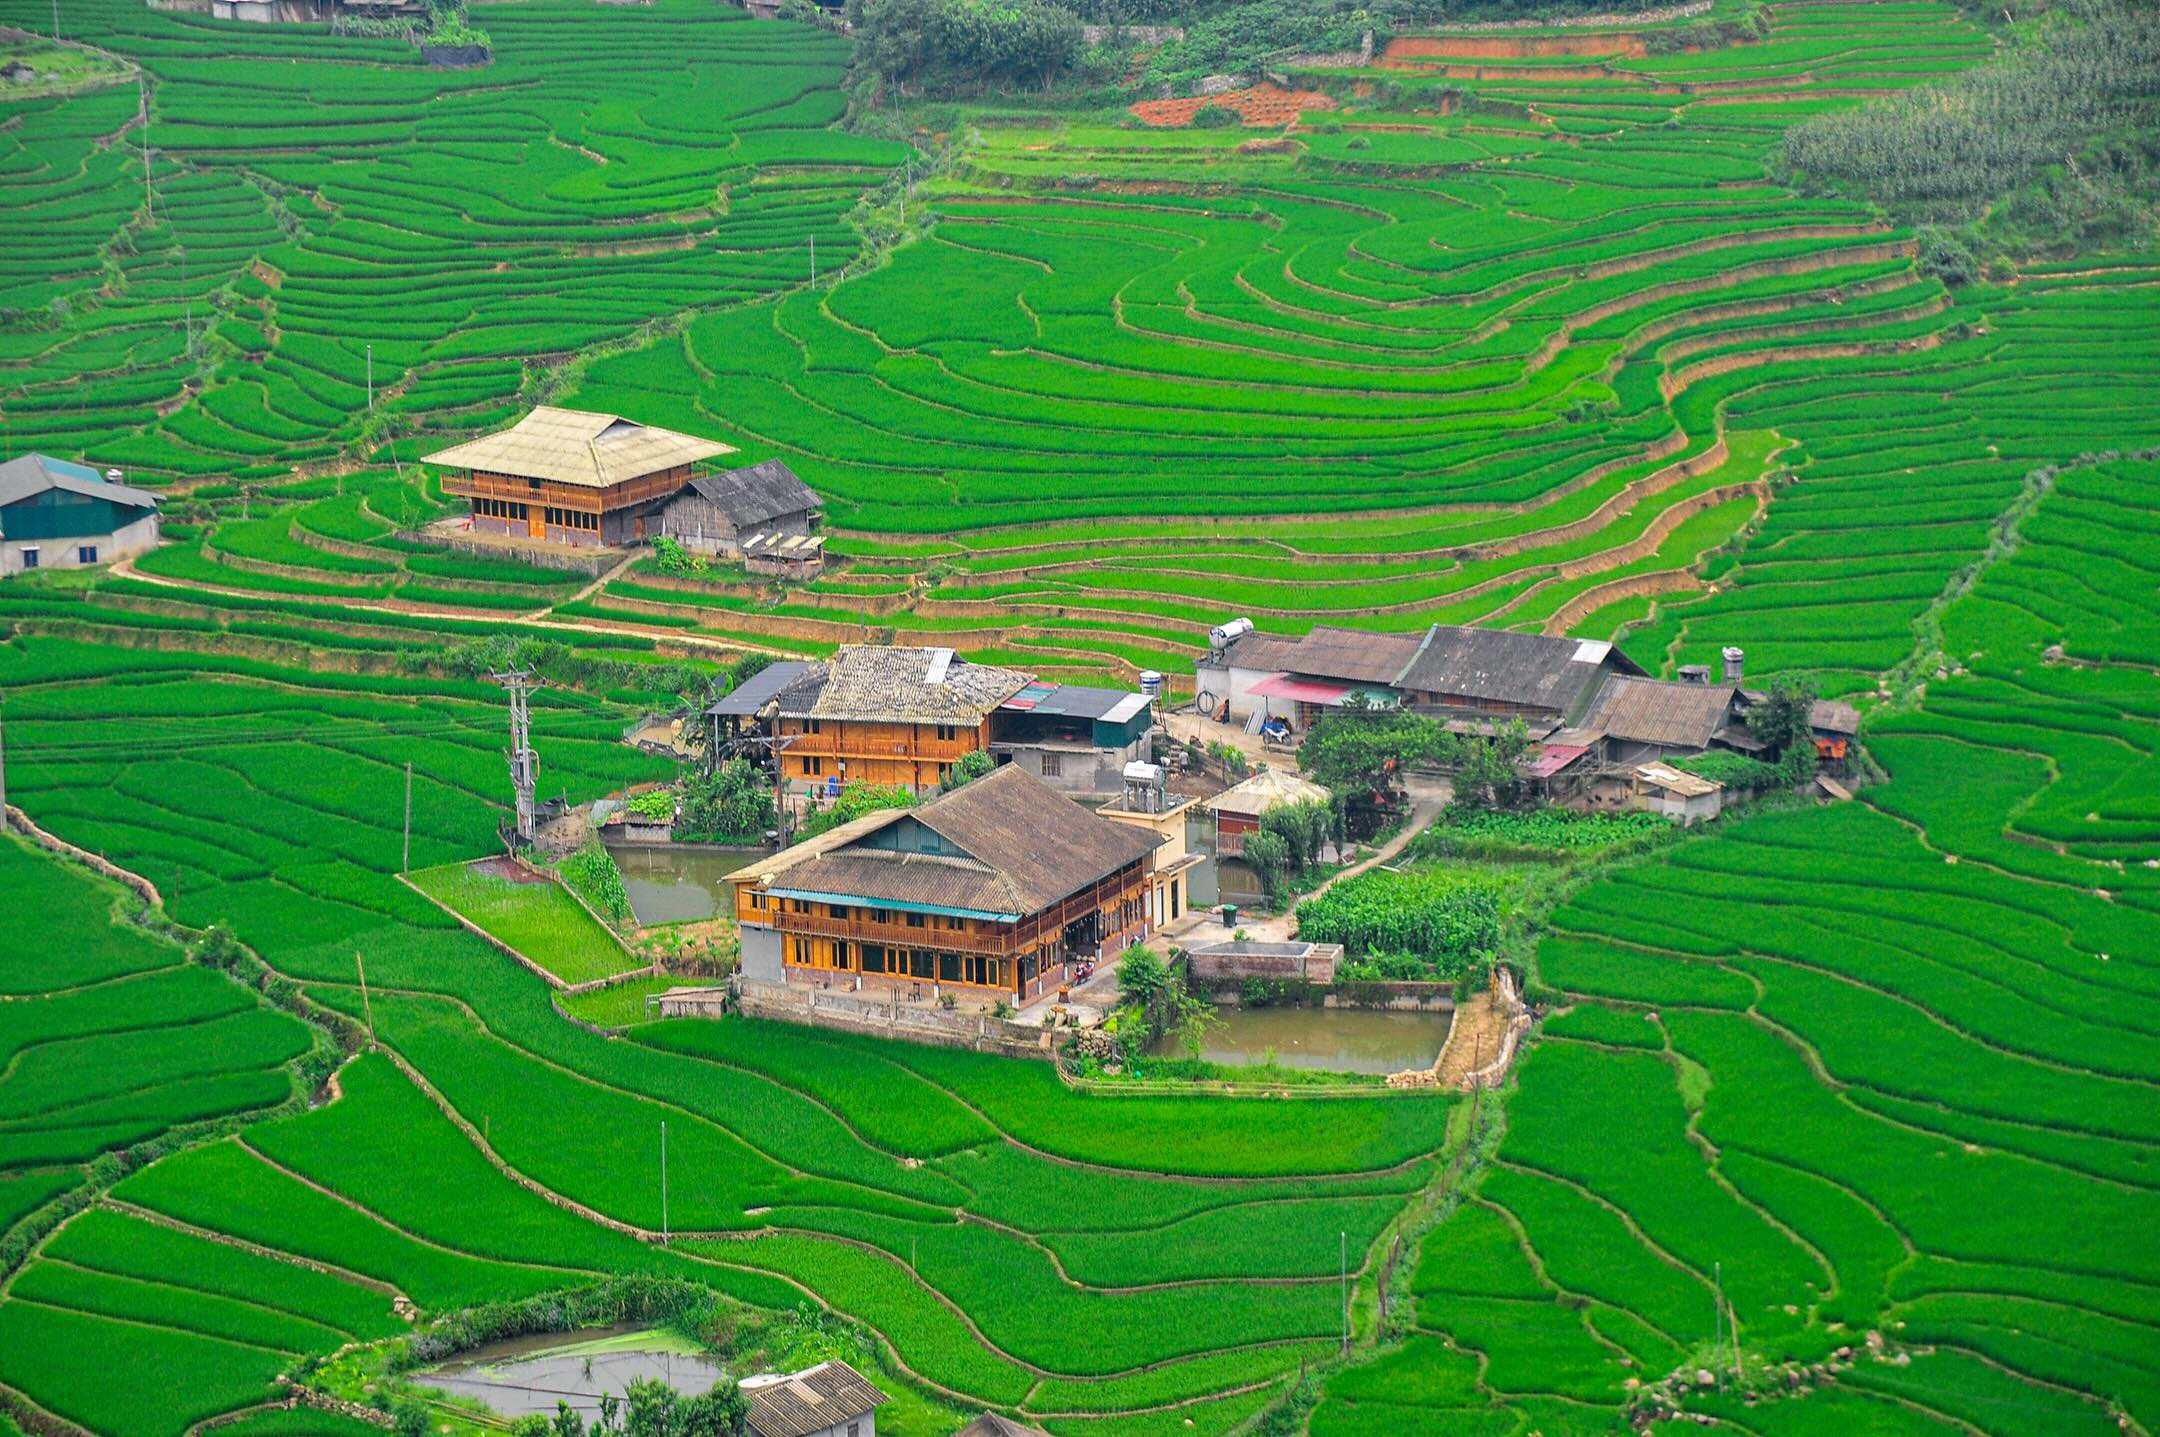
522 1375
1334 1040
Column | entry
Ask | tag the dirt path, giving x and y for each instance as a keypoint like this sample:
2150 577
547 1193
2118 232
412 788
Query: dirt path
125 569
1427 799
595 586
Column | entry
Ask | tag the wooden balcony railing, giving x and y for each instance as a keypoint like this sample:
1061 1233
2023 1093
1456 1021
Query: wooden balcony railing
897 935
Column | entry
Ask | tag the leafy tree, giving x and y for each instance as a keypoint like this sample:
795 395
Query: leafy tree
1142 976
721 1411
567 1423
1269 857
1359 749
1488 771
857 799
1783 717
650 1409
532 1424
972 765
1303 828
728 805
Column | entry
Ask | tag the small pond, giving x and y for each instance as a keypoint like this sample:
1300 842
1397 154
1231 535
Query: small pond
531 1374
1336 1040
677 883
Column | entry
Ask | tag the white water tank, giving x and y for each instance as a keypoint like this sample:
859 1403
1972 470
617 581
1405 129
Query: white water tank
1151 683
1223 635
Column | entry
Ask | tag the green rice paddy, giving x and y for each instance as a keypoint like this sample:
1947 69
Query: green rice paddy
1872 1084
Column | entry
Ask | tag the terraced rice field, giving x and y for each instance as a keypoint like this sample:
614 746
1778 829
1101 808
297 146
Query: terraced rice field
1547 349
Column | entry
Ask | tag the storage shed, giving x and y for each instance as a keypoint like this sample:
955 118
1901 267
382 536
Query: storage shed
1681 797
59 515
758 508
1239 809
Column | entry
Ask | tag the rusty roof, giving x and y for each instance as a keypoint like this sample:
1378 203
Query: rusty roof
1655 711
1834 716
811 1400
575 446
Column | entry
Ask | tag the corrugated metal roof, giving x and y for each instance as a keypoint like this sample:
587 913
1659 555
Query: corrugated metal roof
811 1400
1834 717
573 446
753 693
756 494
33 474
1355 655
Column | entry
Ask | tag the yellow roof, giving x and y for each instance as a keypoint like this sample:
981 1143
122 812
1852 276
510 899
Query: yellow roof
571 446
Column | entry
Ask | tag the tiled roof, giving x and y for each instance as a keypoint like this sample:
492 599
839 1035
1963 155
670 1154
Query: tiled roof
1655 711
811 1400
571 446
1353 654
904 685
1502 666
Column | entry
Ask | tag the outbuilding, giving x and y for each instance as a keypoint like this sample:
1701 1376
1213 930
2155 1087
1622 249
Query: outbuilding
737 512
831 1399
1682 797
59 515
1239 808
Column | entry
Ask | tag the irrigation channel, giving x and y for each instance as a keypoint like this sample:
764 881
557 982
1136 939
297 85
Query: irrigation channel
530 1374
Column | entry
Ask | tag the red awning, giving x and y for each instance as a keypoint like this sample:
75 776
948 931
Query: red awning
1555 757
1282 686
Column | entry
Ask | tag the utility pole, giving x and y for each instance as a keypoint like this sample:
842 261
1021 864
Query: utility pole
1344 1238
371 378
3 781
405 861
1717 1304
1733 1313
366 1007
663 1183
142 105
524 763
813 261
56 20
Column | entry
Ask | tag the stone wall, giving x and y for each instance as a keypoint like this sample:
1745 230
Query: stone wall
853 1012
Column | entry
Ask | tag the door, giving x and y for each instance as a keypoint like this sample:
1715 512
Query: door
535 521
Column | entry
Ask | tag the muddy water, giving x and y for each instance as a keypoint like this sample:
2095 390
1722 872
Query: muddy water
677 884
1335 1040
531 1374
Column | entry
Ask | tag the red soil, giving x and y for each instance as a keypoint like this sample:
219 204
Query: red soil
1503 47
1262 104
504 868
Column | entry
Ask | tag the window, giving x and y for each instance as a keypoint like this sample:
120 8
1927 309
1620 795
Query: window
917 920
533 485
1053 765
946 732
29 558
854 1429
815 726
838 910
86 554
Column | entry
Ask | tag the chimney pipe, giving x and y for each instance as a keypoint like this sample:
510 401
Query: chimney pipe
1735 662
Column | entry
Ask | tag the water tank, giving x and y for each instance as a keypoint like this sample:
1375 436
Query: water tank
1735 660
1151 683
1147 773
1223 635
113 476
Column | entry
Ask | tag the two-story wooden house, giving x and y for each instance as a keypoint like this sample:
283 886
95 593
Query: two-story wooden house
566 476
900 717
997 888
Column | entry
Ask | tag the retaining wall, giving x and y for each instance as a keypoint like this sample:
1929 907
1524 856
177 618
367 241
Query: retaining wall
851 1012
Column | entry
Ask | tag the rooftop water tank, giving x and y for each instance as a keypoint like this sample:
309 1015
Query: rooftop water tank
1223 635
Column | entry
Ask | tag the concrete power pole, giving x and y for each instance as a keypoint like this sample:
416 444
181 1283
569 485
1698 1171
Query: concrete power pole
524 763
405 861
3 784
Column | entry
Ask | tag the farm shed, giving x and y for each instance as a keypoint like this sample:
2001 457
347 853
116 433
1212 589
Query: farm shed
998 888
1224 679
1239 809
831 1399
1639 720
1834 727
58 515
992 1425
566 476
727 513
1681 797
1073 738
791 556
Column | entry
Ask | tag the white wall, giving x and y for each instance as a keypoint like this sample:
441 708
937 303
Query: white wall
136 538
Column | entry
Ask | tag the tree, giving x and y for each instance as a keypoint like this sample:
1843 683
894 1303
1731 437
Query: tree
720 1412
1303 827
731 804
1269 857
1783 716
567 1423
972 765
1488 771
1360 749
649 1409
856 800
1142 976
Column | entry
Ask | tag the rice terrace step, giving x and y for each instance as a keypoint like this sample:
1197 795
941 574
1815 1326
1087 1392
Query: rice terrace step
1359 723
